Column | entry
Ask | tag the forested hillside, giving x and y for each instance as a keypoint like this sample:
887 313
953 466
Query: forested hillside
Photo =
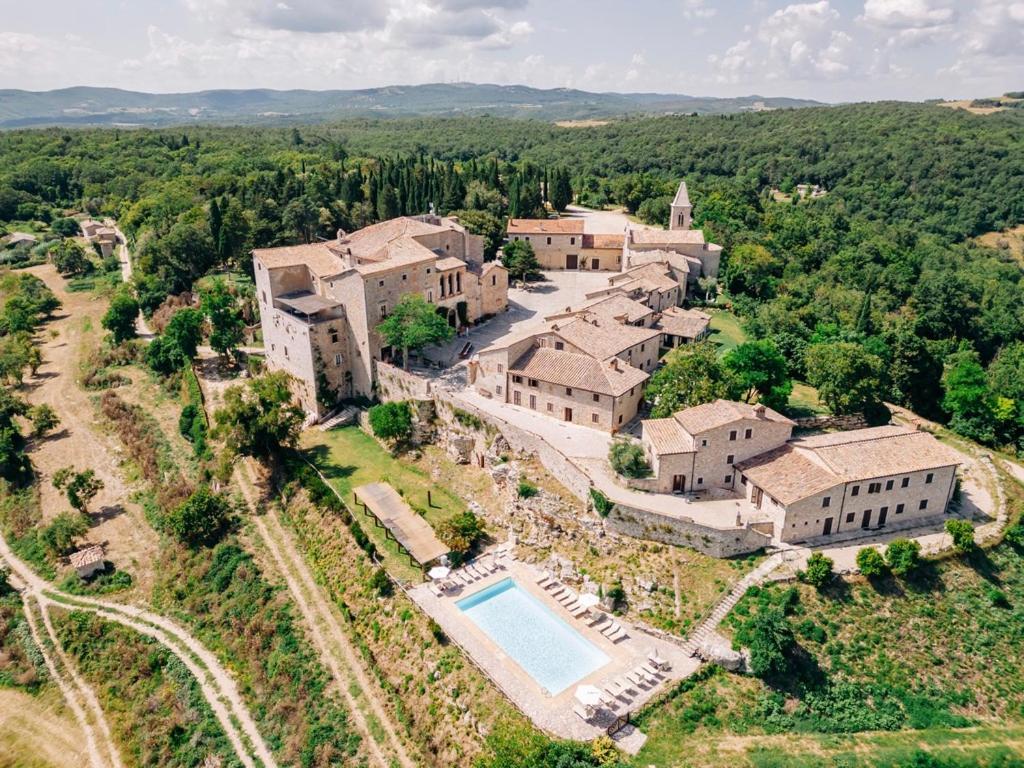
884 260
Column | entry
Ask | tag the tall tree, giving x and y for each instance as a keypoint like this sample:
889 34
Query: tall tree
519 258
848 378
691 375
260 417
759 372
121 316
413 325
226 324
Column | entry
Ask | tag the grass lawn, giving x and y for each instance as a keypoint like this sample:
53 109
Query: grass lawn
725 330
804 401
348 458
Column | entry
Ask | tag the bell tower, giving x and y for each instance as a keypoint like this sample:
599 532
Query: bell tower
681 209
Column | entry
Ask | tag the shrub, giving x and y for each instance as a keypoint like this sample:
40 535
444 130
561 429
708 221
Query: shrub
380 583
996 596
602 503
59 536
392 421
1015 534
202 519
962 533
44 419
870 562
527 490
461 532
628 459
770 638
819 570
903 556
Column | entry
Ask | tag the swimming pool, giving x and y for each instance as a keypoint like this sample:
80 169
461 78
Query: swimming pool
546 647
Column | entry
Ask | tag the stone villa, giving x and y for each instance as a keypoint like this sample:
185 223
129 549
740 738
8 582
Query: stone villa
320 303
809 487
565 244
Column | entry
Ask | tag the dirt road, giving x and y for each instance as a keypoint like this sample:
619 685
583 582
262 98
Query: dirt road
79 441
321 617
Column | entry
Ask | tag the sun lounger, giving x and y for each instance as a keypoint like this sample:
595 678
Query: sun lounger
606 631
580 710
609 701
650 671
475 572
617 689
635 678
436 589
596 618
568 598
557 591
543 580
577 610
643 676
657 662
618 634
463 576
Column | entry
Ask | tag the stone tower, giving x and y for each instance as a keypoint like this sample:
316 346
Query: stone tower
681 209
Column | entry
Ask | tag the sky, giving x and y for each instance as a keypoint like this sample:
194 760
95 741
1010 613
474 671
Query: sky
831 50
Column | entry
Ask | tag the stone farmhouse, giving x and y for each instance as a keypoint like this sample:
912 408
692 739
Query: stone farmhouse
101 235
809 487
320 303
566 244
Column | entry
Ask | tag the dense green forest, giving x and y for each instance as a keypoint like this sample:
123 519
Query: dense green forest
882 267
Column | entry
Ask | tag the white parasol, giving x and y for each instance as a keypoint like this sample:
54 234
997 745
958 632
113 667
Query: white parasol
589 600
438 572
588 695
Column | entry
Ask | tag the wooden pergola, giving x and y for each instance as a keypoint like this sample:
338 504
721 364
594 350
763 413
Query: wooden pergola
401 524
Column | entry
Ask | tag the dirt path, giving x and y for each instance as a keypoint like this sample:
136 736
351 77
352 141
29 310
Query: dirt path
321 617
216 684
71 696
79 442
33 725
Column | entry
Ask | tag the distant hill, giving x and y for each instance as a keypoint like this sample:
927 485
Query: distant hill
112 106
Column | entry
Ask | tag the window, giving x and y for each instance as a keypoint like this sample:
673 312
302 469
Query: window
549 241
700 481
559 345
905 482
428 268
286 351
501 368
551 406
526 238
383 311
620 418
855 491
404 277
338 359
494 279
533 383
380 283
273 347
593 417
430 296
517 379
727 479
874 487
732 434
850 516
568 391
642 346
923 504
888 485
748 434
533 402
743 479
703 443
826 502
572 241
899 509
498 389
729 459
264 296
334 338
929 477
517 397
631 390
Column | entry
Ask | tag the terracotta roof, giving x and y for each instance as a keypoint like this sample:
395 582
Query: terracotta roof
570 369
701 418
862 454
545 226
87 556
667 436
369 242
602 337
317 256
787 475
449 262
400 252
489 265
666 236
688 323
649 277
610 306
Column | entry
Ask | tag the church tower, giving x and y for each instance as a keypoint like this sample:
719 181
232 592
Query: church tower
681 209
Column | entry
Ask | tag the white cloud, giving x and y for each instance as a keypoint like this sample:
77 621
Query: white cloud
910 23
697 9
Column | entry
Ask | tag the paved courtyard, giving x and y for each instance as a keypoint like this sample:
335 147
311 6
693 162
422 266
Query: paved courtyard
554 713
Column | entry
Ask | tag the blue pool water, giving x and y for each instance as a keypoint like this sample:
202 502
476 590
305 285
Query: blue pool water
552 652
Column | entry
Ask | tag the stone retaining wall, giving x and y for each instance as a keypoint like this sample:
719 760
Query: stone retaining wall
655 526
393 383
851 421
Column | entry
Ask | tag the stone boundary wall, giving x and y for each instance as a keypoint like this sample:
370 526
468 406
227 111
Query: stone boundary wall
851 421
395 384
644 524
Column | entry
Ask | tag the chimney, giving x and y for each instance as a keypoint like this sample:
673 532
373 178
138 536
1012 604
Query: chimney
759 411
615 363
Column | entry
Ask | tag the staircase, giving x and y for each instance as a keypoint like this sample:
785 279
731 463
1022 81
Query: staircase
345 416
721 609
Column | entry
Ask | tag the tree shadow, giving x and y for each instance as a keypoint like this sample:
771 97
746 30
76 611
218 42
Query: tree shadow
320 457
109 512
924 578
984 566
886 585
837 590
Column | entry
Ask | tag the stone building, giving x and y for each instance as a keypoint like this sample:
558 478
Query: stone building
320 303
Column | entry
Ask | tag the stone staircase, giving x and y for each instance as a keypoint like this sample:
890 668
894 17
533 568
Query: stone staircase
721 609
344 416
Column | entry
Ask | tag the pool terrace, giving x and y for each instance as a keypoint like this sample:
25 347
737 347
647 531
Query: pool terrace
553 712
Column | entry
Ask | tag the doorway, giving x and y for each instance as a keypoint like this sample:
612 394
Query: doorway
568 414
678 483
827 530
866 522
882 514
572 261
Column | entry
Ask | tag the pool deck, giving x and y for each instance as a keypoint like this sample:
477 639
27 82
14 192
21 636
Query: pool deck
554 714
